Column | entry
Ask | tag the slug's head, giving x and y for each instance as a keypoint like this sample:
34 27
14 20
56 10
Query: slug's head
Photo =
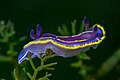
98 30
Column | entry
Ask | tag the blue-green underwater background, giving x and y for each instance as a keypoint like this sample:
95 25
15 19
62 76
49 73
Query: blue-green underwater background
26 14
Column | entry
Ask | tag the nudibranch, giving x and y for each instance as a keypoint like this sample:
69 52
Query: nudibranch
66 46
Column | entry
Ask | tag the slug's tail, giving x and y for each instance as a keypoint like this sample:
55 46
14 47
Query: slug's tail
22 56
